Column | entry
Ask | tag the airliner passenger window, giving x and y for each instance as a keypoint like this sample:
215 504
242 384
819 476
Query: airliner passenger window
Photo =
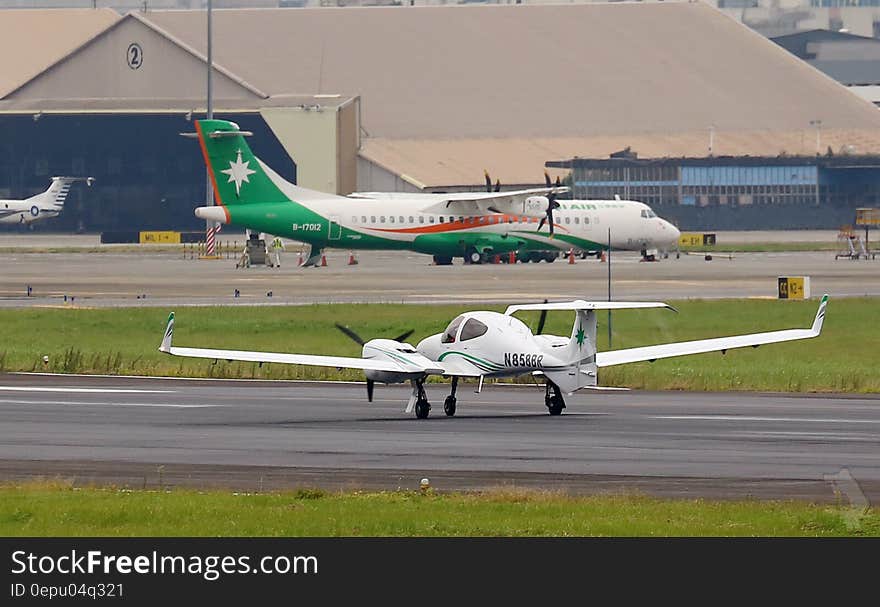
401 218
372 219
430 219
472 328
391 219
411 220
421 219
363 219
451 330
382 219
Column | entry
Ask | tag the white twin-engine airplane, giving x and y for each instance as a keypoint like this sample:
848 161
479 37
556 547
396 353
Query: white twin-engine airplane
40 206
490 344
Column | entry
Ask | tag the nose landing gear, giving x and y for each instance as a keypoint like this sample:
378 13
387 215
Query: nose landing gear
449 403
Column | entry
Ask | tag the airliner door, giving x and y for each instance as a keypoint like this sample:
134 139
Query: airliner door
335 232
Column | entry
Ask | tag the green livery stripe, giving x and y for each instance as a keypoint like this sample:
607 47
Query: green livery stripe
484 365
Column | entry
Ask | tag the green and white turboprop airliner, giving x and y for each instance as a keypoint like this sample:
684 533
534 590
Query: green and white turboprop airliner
472 225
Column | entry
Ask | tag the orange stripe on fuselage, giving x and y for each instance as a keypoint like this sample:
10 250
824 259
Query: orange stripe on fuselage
454 226
211 171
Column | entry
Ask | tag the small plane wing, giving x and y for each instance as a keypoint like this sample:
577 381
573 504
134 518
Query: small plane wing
652 353
580 304
459 368
290 359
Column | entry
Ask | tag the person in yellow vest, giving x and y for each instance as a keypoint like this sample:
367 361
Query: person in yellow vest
277 247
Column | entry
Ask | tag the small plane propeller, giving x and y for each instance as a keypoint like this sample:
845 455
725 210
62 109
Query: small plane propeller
551 202
360 341
541 320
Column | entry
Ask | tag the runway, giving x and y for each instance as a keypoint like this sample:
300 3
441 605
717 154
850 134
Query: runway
167 279
265 435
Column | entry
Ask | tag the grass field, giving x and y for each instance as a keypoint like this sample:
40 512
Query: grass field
125 341
56 509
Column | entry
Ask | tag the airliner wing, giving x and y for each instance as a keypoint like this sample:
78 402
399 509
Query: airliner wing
530 203
365 364
652 353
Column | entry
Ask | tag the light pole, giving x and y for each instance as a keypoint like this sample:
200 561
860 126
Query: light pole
818 124
711 138
210 234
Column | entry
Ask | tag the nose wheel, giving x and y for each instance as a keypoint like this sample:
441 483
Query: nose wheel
553 399
449 403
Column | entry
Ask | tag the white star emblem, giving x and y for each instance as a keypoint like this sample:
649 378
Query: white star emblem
238 172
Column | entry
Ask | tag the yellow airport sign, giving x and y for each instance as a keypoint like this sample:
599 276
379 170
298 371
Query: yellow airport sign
159 237
794 287
868 217
696 239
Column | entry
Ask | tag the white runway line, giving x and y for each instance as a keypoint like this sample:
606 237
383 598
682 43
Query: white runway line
5 401
749 418
83 390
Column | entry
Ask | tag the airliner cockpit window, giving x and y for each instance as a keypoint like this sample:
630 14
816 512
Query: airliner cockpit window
473 328
451 330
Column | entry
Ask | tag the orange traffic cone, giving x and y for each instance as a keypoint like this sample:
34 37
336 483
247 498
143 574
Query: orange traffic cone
512 258
323 260
351 260
571 256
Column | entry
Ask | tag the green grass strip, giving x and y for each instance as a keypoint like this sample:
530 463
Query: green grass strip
125 341
47 509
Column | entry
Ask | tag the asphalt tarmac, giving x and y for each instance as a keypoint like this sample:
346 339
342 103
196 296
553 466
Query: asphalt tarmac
166 279
255 435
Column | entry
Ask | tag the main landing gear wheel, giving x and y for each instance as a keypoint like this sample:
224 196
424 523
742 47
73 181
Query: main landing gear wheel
553 399
423 408
449 406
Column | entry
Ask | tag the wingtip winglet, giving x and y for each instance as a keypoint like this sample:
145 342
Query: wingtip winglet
820 315
169 333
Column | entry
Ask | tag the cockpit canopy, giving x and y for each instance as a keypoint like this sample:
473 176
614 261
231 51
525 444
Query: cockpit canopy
472 329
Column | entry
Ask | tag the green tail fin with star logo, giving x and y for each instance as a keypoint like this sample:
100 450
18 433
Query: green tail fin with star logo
238 176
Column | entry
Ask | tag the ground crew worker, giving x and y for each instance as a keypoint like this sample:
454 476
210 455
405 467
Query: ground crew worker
277 247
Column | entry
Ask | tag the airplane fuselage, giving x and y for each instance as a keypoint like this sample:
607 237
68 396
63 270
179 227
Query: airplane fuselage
352 223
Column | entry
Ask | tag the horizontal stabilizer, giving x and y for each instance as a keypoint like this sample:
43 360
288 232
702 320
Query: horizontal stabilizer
580 304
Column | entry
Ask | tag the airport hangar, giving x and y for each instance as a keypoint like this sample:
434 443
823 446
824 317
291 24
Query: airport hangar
722 126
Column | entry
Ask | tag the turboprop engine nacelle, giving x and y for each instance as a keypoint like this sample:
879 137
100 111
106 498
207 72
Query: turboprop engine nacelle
536 206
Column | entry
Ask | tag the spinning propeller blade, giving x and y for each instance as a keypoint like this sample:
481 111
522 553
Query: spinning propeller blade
351 334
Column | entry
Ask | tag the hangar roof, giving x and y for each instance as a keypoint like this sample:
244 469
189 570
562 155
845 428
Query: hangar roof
33 40
440 163
577 70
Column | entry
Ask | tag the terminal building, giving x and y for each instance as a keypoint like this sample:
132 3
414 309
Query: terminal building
338 104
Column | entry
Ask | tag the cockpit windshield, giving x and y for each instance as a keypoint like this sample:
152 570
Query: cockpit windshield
451 330
648 213
473 328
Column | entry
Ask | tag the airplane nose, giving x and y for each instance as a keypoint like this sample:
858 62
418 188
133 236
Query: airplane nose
670 232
